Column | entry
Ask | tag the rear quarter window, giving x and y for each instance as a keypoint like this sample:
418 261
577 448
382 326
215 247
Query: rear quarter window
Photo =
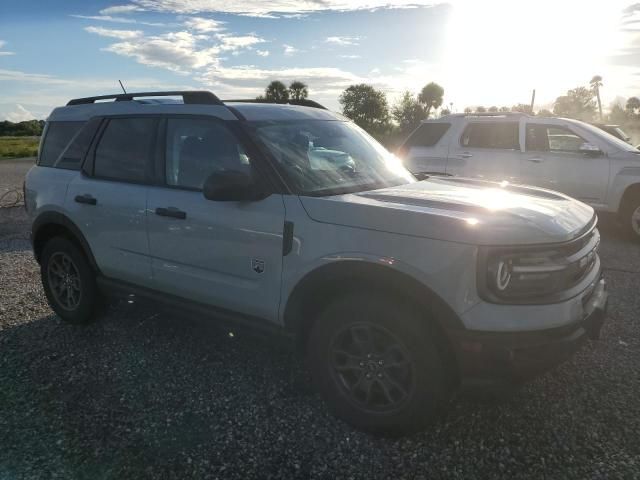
56 138
73 155
427 135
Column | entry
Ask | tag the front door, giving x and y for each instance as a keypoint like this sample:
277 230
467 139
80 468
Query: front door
553 160
488 150
227 254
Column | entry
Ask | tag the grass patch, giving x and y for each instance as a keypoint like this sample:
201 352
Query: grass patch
13 147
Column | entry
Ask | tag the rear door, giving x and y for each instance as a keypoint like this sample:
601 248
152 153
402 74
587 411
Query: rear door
553 160
223 253
487 149
108 200
426 149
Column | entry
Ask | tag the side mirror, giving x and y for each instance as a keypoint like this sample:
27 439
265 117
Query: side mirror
590 150
231 186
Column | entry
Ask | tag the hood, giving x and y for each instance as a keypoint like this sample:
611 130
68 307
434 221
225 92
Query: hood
632 155
460 210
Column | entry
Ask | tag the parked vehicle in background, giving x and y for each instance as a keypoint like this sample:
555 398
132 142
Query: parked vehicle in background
614 130
560 154
294 219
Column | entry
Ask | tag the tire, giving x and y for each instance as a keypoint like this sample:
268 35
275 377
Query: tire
630 217
69 281
400 396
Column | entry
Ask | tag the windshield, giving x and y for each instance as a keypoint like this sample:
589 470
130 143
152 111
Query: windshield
330 157
622 145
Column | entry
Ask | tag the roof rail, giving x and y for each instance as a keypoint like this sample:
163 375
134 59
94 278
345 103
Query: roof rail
202 97
489 114
302 103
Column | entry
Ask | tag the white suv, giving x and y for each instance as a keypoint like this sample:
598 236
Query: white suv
560 154
292 218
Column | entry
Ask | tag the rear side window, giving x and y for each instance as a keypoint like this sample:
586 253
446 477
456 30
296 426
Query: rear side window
71 158
57 137
427 135
497 135
124 150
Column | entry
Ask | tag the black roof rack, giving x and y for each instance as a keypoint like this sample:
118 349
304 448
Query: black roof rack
301 103
201 97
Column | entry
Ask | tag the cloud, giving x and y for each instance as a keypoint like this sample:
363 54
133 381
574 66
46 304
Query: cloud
176 51
119 9
258 15
22 77
350 56
4 54
205 25
263 53
343 40
265 7
109 18
120 34
231 42
289 49
20 114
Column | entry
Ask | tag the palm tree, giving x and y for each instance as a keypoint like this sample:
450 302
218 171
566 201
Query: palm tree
596 83
431 97
298 90
276 92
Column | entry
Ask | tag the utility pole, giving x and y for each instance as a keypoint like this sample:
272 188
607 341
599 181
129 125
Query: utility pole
533 99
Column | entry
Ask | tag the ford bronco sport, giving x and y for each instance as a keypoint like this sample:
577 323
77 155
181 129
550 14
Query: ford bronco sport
292 217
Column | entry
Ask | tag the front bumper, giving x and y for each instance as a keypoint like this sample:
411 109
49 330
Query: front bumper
494 357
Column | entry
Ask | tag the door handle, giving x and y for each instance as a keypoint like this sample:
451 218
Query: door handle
465 155
535 160
172 212
86 199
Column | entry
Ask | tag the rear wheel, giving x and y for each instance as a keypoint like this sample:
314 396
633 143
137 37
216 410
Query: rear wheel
69 281
376 363
630 217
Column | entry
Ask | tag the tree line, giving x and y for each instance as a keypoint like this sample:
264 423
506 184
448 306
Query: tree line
369 108
29 128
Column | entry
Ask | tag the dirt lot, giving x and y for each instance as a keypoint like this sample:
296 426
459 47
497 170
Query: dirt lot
146 394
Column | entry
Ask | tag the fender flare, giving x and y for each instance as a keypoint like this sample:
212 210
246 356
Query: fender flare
332 278
56 223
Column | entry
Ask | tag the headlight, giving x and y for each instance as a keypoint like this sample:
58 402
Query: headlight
518 275
530 275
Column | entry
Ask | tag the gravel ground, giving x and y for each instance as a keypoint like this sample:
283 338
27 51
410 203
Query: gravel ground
146 394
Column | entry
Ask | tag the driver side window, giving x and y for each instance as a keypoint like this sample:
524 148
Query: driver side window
196 148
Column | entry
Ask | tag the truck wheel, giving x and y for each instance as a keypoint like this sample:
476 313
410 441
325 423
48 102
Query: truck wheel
631 217
69 281
376 363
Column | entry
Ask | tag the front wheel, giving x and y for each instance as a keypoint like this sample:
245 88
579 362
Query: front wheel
69 281
376 363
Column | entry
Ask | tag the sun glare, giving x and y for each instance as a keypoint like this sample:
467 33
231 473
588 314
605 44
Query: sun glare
507 48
